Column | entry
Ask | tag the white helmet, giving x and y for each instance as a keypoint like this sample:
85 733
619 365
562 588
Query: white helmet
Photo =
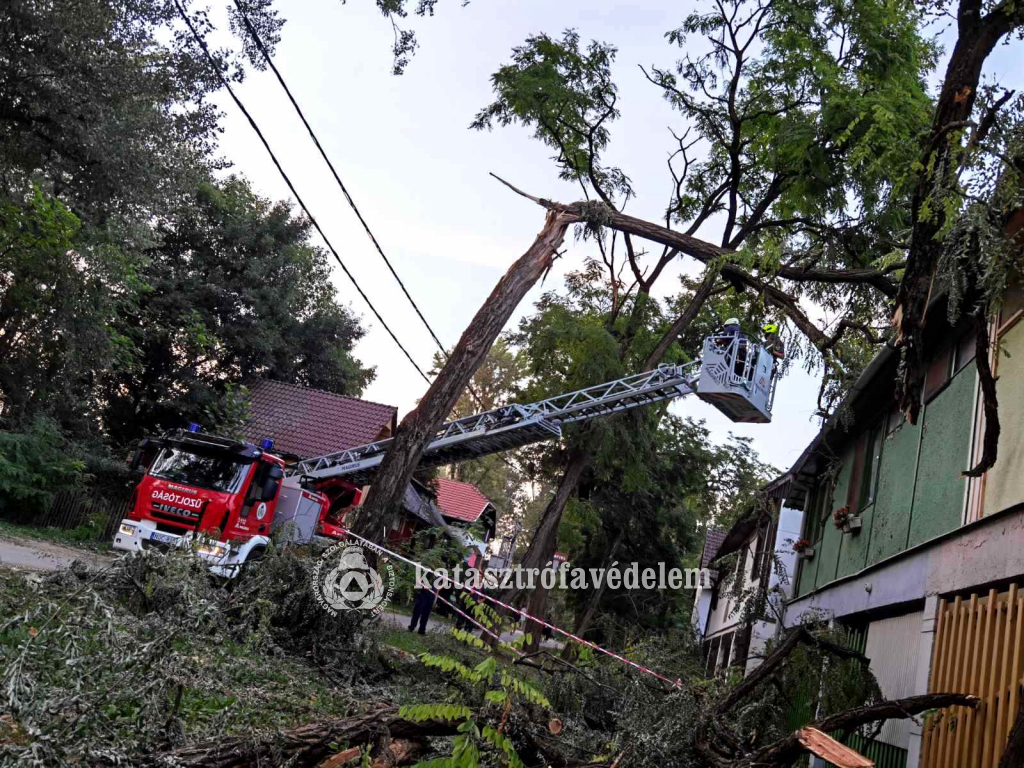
732 321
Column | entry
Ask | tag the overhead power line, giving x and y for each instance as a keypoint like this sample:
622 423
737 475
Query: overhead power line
238 102
312 134
316 141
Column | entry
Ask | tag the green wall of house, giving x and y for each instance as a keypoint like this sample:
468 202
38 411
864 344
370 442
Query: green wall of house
891 521
920 494
945 446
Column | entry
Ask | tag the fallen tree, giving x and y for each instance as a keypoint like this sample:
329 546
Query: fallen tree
419 426
311 744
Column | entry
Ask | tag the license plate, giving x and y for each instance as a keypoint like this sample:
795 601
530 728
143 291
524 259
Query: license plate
163 538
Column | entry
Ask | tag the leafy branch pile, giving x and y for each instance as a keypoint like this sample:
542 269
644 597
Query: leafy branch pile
110 666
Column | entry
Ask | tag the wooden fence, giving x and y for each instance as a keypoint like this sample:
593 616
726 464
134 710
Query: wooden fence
978 649
95 513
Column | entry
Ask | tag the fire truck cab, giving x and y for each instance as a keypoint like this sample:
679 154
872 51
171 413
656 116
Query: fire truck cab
219 495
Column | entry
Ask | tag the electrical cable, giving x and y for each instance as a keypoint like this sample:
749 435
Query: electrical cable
238 102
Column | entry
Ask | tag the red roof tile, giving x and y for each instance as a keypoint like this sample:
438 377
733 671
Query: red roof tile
460 501
312 422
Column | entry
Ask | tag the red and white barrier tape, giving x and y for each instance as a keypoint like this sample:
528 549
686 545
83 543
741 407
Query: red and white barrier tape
674 683
473 621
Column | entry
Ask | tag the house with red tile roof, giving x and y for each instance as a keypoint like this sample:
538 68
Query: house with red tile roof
305 422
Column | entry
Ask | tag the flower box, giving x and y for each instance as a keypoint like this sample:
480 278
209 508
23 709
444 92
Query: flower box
806 554
852 524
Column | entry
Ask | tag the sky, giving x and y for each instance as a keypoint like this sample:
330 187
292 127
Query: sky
421 178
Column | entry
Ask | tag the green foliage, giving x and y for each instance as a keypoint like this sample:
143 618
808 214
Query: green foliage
567 96
33 467
235 292
80 650
229 416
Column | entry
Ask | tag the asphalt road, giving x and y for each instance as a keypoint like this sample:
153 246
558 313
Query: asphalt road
34 555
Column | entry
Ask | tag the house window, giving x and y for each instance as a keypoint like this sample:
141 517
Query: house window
726 652
817 509
741 567
895 419
948 363
870 463
965 350
938 373
762 552
713 649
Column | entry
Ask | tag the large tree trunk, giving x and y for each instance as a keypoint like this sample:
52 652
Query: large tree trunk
305 745
419 426
542 546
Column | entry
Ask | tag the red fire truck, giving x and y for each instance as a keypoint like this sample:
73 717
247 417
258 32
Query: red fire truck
224 497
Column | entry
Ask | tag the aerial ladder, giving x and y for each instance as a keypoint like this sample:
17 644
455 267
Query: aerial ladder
735 374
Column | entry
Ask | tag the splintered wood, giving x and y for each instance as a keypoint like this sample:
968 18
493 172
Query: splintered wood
830 750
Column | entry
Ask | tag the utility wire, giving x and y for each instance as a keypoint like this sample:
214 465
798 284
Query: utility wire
348 197
266 57
238 102
312 134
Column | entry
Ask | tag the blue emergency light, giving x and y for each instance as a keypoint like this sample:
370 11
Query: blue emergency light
267 444
193 427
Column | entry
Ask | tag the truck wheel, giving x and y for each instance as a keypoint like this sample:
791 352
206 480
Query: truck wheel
255 555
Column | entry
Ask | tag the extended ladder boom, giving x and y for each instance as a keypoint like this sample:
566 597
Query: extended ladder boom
513 426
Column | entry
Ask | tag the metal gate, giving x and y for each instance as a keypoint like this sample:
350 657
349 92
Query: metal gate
977 650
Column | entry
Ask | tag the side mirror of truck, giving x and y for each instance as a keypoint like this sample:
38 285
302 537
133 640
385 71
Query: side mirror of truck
135 462
273 481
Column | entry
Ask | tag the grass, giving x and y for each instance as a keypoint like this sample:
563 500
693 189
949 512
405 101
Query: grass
82 537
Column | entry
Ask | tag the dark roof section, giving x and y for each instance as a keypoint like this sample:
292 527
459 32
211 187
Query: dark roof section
311 422
744 528
418 502
712 541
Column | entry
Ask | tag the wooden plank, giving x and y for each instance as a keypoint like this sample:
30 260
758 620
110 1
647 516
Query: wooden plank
984 708
830 750
991 685
947 745
1018 659
1003 721
933 678
965 715
944 640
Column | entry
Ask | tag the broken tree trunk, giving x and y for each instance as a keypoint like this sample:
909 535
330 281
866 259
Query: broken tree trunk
785 751
419 426
306 745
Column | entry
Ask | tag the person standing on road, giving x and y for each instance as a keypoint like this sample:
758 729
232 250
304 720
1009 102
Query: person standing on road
421 608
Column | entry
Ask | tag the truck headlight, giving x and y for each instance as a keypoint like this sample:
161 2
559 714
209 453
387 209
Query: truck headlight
127 530
214 550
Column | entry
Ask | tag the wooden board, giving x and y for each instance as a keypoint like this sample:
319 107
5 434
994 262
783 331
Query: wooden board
830 750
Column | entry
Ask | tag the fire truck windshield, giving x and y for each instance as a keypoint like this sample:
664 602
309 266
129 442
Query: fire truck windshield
217 472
